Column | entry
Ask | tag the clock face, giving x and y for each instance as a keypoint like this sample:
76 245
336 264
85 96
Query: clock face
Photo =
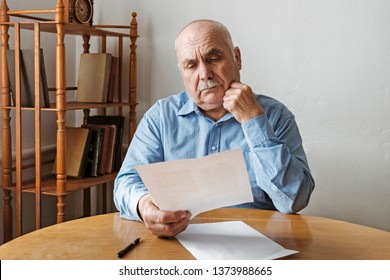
83 10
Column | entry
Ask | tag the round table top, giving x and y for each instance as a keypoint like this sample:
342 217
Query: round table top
103 236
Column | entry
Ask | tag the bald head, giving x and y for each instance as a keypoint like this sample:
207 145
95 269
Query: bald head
202 26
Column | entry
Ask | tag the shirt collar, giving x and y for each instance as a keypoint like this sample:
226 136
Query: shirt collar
188 108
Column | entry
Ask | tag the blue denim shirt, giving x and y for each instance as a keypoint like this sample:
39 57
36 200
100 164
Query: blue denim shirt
175 128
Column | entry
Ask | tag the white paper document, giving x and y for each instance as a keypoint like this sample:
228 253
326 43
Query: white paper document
233 240
198 185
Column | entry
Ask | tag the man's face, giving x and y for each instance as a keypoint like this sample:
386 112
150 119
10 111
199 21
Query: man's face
208 64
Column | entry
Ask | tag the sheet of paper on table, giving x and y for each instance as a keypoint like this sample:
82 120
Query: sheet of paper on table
200 184
233 240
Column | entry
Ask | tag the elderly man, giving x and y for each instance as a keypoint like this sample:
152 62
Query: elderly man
217 112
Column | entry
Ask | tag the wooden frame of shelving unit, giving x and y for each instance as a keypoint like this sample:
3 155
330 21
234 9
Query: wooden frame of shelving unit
58 185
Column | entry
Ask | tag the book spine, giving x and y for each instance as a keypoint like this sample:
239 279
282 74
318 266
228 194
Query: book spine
118 148
95 151
113 78
104 150
111 149
84 160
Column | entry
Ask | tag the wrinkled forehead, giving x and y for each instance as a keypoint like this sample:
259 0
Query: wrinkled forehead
202 36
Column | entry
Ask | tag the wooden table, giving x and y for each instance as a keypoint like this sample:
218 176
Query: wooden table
101 237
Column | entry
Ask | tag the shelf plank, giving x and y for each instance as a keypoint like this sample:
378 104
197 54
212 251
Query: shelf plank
48 184
76 29
77 106
87 105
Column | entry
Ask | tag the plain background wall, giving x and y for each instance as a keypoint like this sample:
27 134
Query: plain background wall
328 61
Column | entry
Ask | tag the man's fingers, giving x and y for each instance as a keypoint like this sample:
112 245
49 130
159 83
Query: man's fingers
160 227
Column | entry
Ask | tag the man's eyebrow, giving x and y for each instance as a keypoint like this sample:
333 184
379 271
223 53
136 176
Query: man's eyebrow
214 51
188 61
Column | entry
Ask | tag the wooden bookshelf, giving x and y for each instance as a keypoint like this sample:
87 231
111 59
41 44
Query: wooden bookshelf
59 185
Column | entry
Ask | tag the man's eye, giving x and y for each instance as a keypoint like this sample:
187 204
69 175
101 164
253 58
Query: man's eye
189 66
214 58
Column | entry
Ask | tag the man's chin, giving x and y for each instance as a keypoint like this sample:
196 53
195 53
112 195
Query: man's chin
209 106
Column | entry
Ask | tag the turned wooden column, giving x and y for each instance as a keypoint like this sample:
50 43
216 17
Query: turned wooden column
6 148
61 112
133 76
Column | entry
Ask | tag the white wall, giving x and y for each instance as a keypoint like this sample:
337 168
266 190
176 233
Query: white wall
328 61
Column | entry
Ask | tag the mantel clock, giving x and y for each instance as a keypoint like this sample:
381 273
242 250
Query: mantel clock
78 11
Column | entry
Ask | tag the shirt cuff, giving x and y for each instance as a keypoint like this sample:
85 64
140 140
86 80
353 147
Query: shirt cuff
134 199
258 131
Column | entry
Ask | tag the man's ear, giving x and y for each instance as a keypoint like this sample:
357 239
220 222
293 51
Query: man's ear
237 55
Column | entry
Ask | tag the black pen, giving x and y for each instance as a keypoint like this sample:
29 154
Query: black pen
123 252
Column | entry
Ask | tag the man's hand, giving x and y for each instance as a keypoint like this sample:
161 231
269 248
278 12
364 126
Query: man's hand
240 101
162 223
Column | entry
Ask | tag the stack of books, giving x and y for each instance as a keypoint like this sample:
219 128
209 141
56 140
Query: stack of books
94 148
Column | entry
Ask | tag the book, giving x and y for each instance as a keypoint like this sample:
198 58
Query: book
93 78
118 121
113 78
78 143
27 78
29 64
111 149
104 149
25 93
95 151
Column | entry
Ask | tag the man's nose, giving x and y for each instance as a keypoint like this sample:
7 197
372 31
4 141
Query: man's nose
205 71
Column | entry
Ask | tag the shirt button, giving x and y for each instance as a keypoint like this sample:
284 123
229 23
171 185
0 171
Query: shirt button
213 148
